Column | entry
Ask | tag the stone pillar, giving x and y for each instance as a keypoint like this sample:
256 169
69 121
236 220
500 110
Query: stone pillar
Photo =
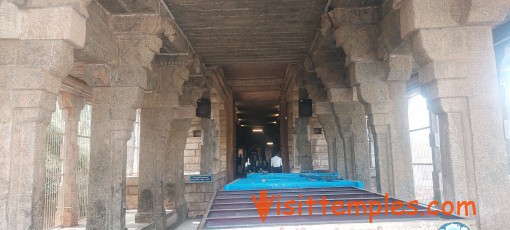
28 105
436 158
211 140
303 145
361 154
343 119
118 92
230 111
331 134
68 190
155 126
386 103
381 88
113 114
37 53
176 89
352 156
316 89
331 74
159 108
207 155
158 149
457 69
396 58
336 151
351 120
174 173
284 134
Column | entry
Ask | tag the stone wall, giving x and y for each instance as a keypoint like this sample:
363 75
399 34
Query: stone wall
319 145
193 148
131 192
198 195
223 138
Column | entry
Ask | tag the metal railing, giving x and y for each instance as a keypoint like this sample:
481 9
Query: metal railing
53 218
82 169
53 177
423 166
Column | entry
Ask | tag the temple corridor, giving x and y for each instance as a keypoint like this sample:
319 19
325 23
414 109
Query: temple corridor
122 114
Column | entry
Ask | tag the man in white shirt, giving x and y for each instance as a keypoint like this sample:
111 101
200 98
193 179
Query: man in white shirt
276 164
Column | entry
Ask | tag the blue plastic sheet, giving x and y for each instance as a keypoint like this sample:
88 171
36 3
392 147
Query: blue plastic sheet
259 181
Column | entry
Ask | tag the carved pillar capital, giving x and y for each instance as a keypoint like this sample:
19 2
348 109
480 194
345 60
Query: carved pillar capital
166 81
138 50
437 14
71 102
356 31
331 74
342 94
138 38
137 24
452 57
398 66
37 53
179 76
79 5
172 72
44 22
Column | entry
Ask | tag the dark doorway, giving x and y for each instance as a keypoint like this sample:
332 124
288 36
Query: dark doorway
258 138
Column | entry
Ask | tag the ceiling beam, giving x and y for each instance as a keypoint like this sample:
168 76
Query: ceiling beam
293 70
215 74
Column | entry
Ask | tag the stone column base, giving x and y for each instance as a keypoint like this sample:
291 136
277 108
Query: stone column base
182 211
144 217
69 217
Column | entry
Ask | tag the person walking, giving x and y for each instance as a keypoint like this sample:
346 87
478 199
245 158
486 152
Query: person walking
276 164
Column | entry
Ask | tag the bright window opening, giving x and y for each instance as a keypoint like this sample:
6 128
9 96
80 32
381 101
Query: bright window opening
419 132
133 148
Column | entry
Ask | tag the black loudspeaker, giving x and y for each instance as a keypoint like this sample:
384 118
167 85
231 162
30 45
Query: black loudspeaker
203 108
305 107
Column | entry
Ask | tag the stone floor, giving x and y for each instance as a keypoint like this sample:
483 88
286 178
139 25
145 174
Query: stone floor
130 222
189 224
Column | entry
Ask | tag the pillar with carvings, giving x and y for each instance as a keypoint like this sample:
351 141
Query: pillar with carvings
352 159
452 43
117 93
380 82
37 53
159 109
68 190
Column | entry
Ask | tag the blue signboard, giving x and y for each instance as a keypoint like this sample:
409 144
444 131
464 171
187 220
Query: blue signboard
200 178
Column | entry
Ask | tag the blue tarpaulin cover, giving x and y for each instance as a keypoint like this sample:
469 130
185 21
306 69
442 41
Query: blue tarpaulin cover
258 181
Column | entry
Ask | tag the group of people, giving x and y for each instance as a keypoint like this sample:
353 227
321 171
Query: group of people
257 161
261 165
